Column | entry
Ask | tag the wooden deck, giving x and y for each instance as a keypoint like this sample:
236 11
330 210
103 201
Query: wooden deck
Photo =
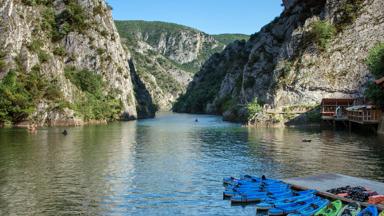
324 182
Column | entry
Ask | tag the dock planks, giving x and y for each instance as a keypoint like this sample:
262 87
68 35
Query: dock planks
324 182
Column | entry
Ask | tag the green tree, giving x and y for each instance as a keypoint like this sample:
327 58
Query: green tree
254 108
375 63
375 60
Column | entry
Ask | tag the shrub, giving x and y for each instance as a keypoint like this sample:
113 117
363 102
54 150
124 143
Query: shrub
59 51
253 108
43 56
35 45
99 10
348 13
94 104
375 93
321 33
3 63
375 60
15 100
100 51
20 92
73 18
375 63
48 20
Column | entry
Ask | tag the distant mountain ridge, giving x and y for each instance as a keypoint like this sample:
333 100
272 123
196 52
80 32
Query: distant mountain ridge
167 55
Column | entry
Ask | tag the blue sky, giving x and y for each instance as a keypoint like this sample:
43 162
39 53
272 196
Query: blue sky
211 16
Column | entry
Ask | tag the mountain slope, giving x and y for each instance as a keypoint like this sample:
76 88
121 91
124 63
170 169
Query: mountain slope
167 55
315 49
229 38
62 63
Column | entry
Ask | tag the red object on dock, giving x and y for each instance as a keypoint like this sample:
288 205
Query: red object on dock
342 195
376 199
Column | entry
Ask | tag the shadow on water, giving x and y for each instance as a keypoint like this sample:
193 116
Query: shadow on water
168 165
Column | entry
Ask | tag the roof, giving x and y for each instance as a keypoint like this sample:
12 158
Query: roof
359 107
337 101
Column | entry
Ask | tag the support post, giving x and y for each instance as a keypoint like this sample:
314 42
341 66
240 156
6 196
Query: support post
350 126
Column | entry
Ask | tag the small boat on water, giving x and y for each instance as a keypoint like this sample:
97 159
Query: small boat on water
369 211
331 210
352 209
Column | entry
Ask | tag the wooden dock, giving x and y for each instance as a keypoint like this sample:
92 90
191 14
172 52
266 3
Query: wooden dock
325 182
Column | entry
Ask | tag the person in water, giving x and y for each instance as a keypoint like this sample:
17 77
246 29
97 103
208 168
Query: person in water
65 132
196 120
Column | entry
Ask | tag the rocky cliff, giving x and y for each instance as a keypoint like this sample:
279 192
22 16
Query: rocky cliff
62 62
314 49
167 55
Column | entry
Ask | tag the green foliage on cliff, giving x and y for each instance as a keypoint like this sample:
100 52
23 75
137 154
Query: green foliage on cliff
3 63
253 108
20 92
73 18
347 13
93 103
375 63
322 33
375 93
375 60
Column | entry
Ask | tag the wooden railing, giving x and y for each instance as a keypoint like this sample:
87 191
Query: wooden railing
330 110
365 116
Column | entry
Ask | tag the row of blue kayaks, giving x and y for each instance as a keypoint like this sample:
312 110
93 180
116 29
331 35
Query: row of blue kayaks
278 198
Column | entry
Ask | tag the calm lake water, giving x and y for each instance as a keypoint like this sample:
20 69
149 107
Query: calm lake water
164 166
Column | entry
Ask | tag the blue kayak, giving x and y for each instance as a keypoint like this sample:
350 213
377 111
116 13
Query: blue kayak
246 198
274 185
369 211
258 189
311 209
229 192
268 204
293 207
247 179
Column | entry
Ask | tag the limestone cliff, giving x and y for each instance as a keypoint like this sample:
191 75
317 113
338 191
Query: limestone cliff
315 49
62 42
167 55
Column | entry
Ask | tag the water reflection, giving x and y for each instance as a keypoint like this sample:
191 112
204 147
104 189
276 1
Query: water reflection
170 165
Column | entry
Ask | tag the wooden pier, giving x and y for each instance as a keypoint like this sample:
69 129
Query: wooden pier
345 111
325 182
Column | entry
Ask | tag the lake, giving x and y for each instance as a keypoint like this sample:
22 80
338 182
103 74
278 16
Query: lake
170 165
